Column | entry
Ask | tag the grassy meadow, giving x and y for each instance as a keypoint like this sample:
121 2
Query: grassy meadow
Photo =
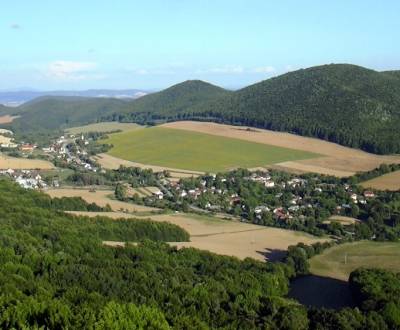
335 264
196 151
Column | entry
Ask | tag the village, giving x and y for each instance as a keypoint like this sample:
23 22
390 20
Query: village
260 195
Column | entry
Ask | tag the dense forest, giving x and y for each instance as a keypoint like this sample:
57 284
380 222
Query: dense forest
342 103
346 104
56 274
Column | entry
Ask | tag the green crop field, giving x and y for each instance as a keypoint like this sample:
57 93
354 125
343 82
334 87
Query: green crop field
339 261
196 151
103 127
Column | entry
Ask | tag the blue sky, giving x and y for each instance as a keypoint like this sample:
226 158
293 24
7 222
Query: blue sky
47 44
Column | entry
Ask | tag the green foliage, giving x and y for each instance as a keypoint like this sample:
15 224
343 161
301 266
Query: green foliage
346 104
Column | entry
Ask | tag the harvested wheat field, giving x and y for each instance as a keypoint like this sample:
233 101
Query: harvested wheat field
23 163
6 119
389 181
224 237
338 160
99 197
111 162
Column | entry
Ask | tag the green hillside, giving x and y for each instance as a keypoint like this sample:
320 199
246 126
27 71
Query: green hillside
342 103
51 113
347 104
173 101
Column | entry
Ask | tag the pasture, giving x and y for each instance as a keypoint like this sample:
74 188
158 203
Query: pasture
389 181
335 160
225 237
339 261
103 127
196 151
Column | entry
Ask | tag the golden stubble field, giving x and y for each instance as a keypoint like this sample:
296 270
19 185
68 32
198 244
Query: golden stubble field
224 237
7 162
99 197
390 181
337 160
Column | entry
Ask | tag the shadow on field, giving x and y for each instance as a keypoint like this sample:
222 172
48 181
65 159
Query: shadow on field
273 255
317 291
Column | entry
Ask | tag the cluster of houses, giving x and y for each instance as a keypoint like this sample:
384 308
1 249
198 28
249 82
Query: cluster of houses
25 178
291 207
76 156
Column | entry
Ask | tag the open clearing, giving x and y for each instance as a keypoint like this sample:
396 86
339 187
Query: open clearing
196 151
99 197
6 119
103 127
342 220
224 237
23 163
389 181
331 263
340 161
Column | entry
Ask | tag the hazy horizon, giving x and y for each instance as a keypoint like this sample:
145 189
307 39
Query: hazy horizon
153 45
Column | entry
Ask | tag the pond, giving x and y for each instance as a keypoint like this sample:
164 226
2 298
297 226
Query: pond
317 291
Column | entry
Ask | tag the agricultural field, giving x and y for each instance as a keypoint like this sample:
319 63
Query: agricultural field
7 162
337 160
196 151
339 261
6 119
112 163
225 237
103 127
99 197
389 181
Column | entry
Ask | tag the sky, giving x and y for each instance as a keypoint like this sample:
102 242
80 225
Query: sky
152 44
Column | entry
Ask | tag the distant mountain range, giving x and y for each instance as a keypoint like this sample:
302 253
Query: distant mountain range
18 97
342 103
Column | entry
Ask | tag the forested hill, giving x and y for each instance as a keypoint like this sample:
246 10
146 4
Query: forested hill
343 103
50 113
175 100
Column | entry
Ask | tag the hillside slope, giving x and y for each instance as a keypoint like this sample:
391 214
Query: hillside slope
342 103
51 113
173 101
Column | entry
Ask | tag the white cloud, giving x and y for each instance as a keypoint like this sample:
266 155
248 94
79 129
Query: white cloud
70 70
264 69
228 69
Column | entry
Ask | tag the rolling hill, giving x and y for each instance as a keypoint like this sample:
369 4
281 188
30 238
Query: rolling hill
342 103
174 101
52 113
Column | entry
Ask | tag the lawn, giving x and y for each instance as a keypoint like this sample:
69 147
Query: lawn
338 262
196 151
